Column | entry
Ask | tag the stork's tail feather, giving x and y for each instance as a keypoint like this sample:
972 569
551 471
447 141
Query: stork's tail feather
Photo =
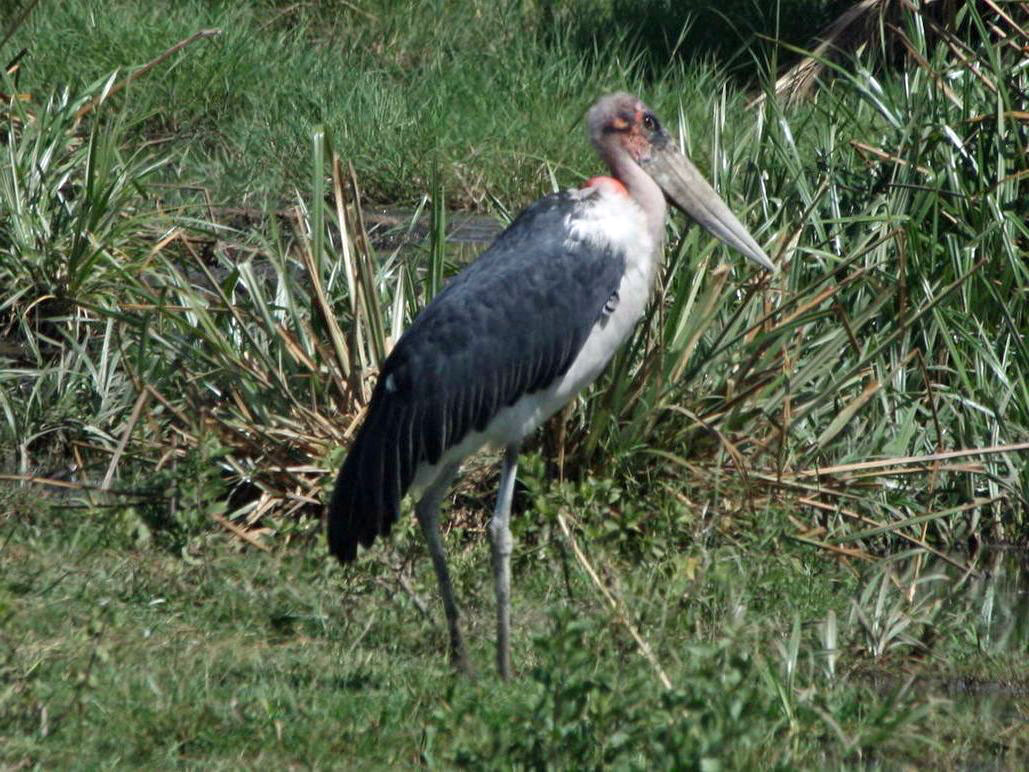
369 487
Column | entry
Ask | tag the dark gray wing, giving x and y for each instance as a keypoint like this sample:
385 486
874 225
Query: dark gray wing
508 325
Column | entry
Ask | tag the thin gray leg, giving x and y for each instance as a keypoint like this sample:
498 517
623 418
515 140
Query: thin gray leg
427 511
500 538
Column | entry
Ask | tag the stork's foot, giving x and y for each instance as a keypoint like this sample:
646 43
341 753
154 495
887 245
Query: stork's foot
458 654
460 663
504 664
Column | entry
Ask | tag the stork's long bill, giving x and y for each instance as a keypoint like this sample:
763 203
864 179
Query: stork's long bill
686 187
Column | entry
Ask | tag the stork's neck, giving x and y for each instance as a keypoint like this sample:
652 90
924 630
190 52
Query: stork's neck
642 188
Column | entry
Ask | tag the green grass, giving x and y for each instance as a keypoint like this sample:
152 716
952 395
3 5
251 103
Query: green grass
113 655
739 477
404 90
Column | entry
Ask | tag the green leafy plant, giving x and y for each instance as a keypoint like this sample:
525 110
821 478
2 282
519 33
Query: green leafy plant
71 215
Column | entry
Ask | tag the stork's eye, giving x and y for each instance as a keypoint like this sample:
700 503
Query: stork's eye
650 122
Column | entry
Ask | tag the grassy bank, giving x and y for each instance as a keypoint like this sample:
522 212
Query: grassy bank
407 90
796 489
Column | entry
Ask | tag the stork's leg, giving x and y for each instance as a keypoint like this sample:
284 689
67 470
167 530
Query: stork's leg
427 512
500 538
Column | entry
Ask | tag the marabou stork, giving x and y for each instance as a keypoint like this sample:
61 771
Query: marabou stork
514 337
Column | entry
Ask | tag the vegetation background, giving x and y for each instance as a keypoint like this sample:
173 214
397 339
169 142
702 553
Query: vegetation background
786 529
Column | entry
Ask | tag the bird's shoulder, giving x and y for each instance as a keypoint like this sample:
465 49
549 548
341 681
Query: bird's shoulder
541 252
535 286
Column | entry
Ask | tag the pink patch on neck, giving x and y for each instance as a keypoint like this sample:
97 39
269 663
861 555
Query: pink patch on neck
613 185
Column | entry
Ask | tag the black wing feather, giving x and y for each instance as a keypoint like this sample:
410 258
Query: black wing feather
509 324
